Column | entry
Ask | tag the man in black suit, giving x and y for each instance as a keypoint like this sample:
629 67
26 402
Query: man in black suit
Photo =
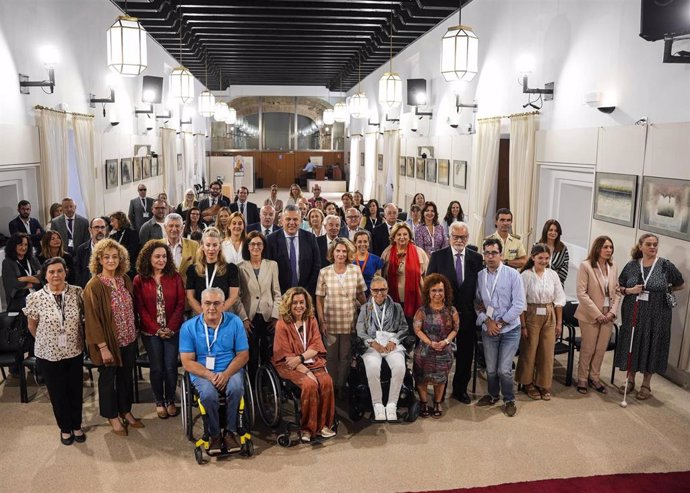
209 206
353 218
73 228
381 233
140 208
296 252
244 207
265 225
462 273
82 274
24 223
332 225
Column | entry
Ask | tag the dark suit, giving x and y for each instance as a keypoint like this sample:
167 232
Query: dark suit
443 262
80 229
380 238
82 274
16 225
129 239
258 227
322 242
309 260
251 211
222 201
137 214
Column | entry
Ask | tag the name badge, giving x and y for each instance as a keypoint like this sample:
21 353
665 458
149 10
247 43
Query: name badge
70 243
490 311
62 340
643 296
607 301
210 363
541 310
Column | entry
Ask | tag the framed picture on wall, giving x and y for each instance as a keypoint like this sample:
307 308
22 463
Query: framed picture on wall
410 167
136 168
126 170
179 162
665 207
460 174
403 166
443 172
420 168
379 163
615 196
111 173
154 166
146 167
431 170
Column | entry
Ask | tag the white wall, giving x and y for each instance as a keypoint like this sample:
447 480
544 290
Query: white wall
76 28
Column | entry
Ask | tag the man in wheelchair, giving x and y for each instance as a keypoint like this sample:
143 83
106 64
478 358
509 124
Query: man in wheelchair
214 349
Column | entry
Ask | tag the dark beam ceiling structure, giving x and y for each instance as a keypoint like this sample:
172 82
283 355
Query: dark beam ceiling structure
286 42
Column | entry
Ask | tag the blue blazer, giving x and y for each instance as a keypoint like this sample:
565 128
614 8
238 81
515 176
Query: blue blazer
309 259
17 226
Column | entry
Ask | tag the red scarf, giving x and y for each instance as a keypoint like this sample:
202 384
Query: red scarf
413 276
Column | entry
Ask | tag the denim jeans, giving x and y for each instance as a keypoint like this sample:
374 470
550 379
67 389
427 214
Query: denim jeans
209 398
499 352
163 367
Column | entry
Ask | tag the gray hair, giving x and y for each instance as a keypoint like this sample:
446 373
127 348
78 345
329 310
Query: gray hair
359 213
291 208
390 204
458 224
378 278
332 217
211 291
173 216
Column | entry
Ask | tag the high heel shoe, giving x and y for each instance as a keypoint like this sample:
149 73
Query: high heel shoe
135 423
424 409
122 432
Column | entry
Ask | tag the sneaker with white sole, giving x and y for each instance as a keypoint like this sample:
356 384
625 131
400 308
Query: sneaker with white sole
379 412
391 412
510 408
326 432
487 401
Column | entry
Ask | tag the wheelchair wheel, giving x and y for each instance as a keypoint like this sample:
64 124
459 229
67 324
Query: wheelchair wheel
248 448
412 412
186 407
249 403
283 440
268 395
355 413
198 455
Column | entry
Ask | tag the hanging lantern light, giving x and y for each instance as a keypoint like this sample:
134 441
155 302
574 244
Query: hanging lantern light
231 116
358 107
459 52
207 103
328 116
390 85
126 46
340 112
181 80
220 111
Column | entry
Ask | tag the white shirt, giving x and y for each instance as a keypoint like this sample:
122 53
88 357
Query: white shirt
177 253
545 289
232 256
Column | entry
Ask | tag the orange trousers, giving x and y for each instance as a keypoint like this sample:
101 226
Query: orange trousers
317 400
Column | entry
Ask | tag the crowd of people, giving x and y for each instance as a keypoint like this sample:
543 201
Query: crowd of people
224 285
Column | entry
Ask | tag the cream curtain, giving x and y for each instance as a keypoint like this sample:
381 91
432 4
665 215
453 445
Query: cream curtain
169 160
370 158
53 132
484 169
84 146
199 170
187 176
391 160
354 162
521 174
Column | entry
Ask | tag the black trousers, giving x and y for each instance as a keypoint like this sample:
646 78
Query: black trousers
466 340
260 344
64 380
116 384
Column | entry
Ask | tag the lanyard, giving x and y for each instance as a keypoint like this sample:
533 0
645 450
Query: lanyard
604 279
486 282
304 337
69 230
433 229
26 270
210 344
60 306
213 276
383 314
143 203
364 265
645 279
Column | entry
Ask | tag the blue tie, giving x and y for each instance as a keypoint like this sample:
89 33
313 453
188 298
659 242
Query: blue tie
293 263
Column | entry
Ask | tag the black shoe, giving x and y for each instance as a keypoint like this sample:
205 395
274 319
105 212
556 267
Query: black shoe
487 400
79 438
462 397
510 409
67 441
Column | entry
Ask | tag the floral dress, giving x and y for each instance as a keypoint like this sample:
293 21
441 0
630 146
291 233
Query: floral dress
431 366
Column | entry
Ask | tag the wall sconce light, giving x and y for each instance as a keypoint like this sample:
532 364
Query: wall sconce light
547 92
114 119
147 111
454 119
603 102
186 122
93 100
50 58
392 119
149 122
421 114
164 116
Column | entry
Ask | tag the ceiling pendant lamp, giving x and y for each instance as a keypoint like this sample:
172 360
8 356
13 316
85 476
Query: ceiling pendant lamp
231 116
207 101
358 106
328 116
181 79
220 112
459 52
390 84
340 109
126 46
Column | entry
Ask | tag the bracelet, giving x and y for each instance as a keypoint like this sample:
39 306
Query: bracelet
104 346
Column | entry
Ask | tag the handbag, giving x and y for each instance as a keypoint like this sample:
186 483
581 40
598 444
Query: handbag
671 300
14 332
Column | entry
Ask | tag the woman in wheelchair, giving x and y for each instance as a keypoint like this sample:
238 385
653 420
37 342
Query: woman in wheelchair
382 327
214 349
300 356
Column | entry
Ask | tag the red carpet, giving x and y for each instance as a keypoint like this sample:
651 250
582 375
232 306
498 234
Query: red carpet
670 482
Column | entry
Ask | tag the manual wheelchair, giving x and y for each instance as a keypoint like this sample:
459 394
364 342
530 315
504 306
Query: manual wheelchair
245 421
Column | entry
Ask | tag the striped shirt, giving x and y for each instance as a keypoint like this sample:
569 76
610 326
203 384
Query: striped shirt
559 263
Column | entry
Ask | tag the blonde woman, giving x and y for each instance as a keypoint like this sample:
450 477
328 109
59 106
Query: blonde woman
295 194
187 203
223 221
234 238
315 219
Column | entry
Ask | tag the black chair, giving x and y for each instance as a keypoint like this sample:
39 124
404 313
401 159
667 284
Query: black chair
15 342
142 361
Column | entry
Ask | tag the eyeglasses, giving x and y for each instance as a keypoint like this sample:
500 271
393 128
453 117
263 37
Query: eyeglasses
97 227
459 238
212 303
142 189
491 253
256 245
352 217
379 290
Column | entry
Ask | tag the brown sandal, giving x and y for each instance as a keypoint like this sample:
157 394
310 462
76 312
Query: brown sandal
533 392
644 393
545 394
631 387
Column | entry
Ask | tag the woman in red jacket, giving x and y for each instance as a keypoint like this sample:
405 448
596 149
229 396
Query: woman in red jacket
159 299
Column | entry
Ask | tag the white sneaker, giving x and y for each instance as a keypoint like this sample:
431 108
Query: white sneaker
392 412
379 412
326 432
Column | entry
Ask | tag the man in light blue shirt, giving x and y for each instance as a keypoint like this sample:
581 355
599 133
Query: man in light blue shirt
500 301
